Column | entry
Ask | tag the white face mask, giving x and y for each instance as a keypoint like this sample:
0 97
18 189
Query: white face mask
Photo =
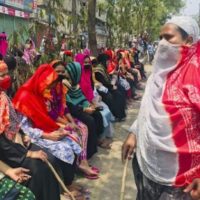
167 56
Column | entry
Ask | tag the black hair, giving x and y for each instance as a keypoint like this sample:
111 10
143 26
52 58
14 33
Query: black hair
58 63
94 62
183 33
29 41
10 61
102 59
1 56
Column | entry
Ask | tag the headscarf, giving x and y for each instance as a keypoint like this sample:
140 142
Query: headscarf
102 59
188 24
126 59
111 67
29 53
68 53
3 44
75 95
109 53
68 56
9 123
87 52
167 126
102 67
86 77
30 98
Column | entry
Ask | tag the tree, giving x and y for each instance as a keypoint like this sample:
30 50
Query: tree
134 17
92 26
74 16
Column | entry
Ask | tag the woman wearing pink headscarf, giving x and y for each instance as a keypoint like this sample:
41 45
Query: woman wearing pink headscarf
30 52
86 86
86 80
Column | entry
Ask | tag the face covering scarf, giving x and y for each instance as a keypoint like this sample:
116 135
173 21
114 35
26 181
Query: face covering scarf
5 83
152 126
9 123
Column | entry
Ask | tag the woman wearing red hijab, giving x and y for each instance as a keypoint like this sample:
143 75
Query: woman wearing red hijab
42 100
13 151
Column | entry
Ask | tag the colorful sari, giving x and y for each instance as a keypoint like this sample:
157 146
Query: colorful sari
43 106
30 100
9 127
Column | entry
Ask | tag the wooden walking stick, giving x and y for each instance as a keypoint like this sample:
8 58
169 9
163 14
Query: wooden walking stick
124 180
60 181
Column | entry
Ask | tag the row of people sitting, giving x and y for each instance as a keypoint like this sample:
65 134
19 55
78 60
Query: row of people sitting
62 113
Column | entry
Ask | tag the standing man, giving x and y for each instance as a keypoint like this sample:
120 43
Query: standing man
166 134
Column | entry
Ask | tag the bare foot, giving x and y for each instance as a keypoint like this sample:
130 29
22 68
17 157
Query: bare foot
80 188
77 195
105 144
86 169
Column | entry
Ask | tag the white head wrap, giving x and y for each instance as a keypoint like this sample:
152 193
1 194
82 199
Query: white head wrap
188 24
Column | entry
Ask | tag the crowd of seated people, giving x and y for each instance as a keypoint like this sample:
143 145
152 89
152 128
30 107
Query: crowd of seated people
61 111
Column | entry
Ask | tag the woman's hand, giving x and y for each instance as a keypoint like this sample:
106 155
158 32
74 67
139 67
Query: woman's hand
18 174
129 147
89 110
194 189
114 87
73 126
41 155
56 135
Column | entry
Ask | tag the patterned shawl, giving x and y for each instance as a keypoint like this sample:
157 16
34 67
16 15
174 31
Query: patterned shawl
9 124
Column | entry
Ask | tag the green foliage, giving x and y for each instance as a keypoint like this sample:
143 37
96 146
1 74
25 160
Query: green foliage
18 36
134 17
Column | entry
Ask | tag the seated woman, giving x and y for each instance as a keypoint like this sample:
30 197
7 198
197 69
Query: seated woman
8 183
80 107
86 84
15 154
106 137
115 98
42 100
127 75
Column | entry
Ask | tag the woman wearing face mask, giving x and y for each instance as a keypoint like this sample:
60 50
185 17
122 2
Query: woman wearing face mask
80 107
86 86
42 100
115 98
13 151
166 132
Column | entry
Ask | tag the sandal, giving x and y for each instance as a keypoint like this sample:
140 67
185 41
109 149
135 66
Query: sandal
95 169
79 188
91 177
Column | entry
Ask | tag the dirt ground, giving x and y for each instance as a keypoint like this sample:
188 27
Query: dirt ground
108 186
